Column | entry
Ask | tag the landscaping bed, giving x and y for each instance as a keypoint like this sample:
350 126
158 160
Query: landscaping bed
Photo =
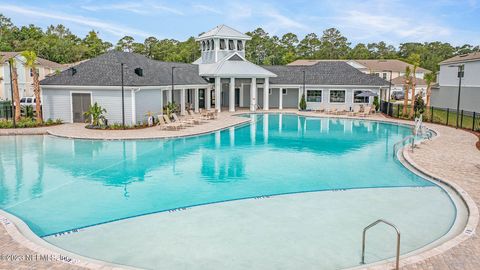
28 123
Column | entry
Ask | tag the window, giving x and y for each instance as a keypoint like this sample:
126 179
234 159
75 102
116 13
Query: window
284 91
239 45
376 74
231 45
23 100
222 44
314 95
270 91
337 96
203 45
384 76
208 45
359 99
212 43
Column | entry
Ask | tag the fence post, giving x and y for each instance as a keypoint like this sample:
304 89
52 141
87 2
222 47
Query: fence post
448 112
473 122
461 120
431 114
398 110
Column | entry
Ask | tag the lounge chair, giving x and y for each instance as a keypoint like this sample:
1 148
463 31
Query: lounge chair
366 111
172 125
197 117
331 111
341 111
186 122
356 110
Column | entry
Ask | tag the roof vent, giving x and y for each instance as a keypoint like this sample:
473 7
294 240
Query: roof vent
74 71
139 72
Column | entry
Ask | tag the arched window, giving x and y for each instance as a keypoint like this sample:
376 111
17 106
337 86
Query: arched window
239 45
222 44
212 43
208 45
203 45
231 46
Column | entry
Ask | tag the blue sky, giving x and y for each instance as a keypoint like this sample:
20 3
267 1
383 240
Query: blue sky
454 21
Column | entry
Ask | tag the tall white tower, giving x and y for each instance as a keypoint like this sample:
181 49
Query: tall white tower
221 42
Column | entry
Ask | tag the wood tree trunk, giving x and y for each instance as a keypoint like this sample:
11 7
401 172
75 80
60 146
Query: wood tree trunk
36 91
405 100
412 104
16 94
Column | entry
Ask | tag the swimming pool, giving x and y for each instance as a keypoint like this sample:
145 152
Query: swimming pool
57 185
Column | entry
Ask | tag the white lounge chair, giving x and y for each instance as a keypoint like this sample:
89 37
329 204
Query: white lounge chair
172 125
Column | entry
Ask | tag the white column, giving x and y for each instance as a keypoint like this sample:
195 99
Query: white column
241 96
218 94
161 103
196 100
266 86
280 99
253 95
182 102
169 95
208 99
300 92
231 95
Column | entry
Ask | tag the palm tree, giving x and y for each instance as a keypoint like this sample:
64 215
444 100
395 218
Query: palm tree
31 62
16 94
406 84
429 79
415 58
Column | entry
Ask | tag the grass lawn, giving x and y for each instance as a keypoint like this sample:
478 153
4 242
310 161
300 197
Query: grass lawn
440 117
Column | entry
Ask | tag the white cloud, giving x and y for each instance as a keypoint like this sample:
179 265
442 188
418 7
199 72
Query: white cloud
130 7
167 9
201 7
142 7
280 21
112 28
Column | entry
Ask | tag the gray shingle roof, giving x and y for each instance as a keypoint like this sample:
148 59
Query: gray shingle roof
324 73
105 70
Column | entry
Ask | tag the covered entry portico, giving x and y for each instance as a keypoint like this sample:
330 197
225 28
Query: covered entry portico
234 80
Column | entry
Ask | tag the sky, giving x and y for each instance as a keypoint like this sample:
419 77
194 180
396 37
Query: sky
392 21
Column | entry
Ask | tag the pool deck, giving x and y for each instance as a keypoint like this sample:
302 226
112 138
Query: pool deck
451 157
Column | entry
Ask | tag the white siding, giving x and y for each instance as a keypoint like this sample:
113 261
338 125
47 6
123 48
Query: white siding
147 100
111 100
56 105
448 75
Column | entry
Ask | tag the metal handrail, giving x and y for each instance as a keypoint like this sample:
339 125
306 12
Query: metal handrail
397 263
395 146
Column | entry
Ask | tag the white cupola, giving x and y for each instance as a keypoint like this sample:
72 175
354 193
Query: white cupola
220 42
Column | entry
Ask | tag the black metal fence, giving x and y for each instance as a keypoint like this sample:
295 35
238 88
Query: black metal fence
6 110
444 116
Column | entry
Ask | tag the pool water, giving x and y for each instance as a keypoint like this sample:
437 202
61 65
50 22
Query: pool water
56 185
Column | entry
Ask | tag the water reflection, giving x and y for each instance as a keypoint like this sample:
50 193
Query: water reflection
275 154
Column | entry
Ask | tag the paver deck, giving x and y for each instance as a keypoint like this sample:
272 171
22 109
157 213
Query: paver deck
452 156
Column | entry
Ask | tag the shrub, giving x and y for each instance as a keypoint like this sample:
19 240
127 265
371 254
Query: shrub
303 103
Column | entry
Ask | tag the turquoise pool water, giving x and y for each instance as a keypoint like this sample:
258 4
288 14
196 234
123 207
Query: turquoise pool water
56 184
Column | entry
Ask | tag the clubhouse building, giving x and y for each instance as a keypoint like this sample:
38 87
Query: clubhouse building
221 79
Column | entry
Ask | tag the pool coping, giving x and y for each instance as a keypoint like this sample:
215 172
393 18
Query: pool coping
23 235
